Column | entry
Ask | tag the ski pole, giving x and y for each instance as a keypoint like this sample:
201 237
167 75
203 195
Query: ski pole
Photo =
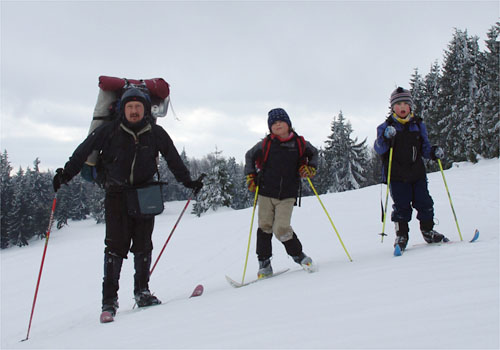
250 235
449 197
170 236
175 226
387 192
51 220
329 218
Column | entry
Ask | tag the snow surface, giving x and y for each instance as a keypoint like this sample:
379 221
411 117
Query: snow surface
444 297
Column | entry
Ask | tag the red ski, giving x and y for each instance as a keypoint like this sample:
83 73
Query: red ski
107 317
197 291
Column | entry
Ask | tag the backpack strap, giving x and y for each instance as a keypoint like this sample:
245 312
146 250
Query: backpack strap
266 146
301 144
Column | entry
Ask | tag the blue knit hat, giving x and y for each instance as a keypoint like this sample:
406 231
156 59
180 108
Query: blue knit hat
278 114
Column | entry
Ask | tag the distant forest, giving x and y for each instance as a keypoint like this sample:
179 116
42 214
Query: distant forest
458 100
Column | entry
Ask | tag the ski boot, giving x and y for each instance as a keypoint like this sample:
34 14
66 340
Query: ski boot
401 242
108 312
110 286
265 269
402 230
431 236
305 261
145 298
434 237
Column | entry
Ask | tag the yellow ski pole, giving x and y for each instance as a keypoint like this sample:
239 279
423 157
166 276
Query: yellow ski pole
329 218
250 235
387 194
449 197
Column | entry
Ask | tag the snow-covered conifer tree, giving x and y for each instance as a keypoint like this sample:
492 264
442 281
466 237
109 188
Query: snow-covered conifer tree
18 213
489 95
417 87
459 124
431 109
5 197
345 159
217 188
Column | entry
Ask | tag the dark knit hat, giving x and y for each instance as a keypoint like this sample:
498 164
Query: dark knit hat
134 94
401 95
278 114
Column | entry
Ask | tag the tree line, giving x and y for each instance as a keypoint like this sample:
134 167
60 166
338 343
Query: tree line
459 102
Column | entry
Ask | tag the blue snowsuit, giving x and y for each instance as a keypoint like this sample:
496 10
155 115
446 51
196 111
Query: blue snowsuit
408 185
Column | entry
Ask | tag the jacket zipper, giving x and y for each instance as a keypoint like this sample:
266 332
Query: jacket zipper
136 142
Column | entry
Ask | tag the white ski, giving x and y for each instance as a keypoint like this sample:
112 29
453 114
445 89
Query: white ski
235 284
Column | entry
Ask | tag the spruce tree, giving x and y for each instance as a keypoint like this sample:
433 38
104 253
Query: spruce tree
323 179
241 197
96 196
417 87
489 95
345 158
217 188
18 217
431 109
173 191
459 123
40 197
5 197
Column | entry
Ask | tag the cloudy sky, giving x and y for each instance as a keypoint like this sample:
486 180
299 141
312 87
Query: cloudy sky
228 64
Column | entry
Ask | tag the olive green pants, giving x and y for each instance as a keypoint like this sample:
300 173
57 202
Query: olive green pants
275 215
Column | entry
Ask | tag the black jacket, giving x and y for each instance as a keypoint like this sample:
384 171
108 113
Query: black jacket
411 143
128 157
279 177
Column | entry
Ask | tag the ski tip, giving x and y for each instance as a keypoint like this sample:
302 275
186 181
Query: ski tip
233 283
446 239
311 268
397 251
106 317
475 237
198 290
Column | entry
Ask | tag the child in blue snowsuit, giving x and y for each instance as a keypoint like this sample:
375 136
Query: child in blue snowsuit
408 136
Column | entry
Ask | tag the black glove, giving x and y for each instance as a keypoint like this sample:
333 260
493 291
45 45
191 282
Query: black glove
195 185
60 178
437 153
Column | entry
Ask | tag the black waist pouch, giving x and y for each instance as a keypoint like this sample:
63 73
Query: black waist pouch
145 201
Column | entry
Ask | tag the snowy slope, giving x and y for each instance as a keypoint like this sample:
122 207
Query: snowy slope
432 297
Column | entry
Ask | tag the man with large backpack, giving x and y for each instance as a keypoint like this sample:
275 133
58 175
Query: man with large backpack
128 148
276 164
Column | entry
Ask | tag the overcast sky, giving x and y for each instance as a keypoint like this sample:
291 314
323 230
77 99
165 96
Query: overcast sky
228 64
